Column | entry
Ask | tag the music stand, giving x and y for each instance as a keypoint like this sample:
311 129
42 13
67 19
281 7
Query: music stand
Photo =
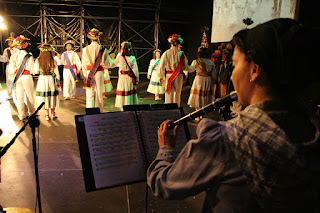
150 107
85 153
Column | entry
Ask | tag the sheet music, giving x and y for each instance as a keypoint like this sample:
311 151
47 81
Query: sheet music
114 148
150 121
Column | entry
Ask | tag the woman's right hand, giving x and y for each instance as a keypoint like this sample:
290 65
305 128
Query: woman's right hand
165 138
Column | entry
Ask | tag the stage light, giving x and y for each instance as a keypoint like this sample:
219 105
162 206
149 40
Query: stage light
2 26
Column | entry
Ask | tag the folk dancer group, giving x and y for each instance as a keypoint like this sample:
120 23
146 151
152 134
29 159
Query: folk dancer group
165 72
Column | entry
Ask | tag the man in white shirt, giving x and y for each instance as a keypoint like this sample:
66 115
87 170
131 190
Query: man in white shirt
20 69
7 53
72 67
171 66
94 59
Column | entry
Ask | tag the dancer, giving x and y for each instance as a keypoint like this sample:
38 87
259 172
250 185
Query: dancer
128 76
72 67
7 53
155 86
223 69
94 57
201 92
47 90
174 61
20 70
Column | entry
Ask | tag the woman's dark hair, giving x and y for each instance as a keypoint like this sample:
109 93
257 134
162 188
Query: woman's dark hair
126 49
203 53
279 47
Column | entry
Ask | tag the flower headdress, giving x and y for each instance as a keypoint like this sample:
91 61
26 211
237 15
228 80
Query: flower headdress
10 39
94 34
175 39
21 42
46 47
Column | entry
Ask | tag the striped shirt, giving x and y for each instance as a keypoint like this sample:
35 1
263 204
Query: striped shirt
247 164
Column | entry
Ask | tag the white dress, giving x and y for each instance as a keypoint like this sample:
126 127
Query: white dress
202 88
155 86
126 91
47 87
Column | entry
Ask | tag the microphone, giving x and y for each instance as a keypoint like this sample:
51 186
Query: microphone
208 108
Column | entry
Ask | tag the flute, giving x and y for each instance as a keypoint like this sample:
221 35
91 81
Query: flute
208 108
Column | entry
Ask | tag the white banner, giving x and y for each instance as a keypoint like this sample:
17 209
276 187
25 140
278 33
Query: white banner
228 15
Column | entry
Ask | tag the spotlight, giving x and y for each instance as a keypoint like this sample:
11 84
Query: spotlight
2 26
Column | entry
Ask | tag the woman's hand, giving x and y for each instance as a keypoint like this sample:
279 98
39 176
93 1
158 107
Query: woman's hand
167 136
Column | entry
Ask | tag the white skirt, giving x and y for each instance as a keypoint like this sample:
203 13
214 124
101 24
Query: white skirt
47 92
107 85
155 87
201 92
126 92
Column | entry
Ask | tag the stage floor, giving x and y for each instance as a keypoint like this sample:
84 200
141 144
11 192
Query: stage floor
61 179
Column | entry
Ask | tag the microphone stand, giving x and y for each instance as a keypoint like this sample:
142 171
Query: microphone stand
33 123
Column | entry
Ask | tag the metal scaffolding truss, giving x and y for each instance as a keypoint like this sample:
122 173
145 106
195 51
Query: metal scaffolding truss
123 20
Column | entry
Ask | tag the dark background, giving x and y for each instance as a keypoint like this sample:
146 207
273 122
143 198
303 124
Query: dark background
182 17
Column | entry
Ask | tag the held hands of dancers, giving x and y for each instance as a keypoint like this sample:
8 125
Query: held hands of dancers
112 55
167 136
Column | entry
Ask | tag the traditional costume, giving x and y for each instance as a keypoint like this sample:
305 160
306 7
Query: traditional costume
128 78
171 66
94 57
20 70
155 85
47 90
222 83
7 53
71 67
202 88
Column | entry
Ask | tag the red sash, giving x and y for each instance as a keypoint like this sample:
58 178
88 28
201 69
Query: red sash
67 67
174 74
25 72
100 68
